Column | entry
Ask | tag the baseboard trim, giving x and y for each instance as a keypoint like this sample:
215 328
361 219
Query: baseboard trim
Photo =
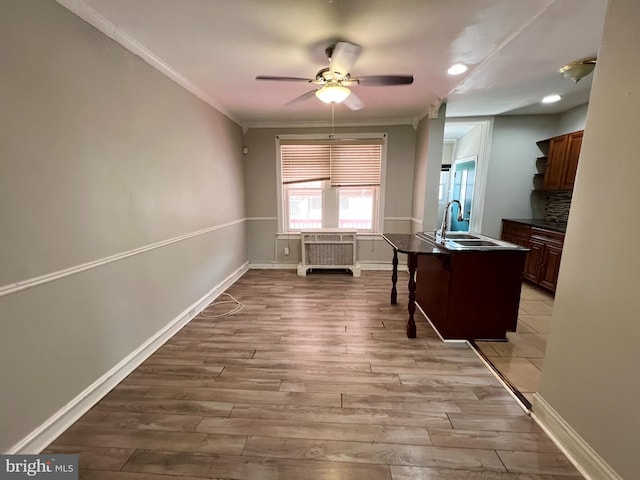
442 339
591 465
376 266
294 266
273 266
54 426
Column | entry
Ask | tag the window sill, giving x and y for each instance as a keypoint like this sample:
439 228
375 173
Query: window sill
296 235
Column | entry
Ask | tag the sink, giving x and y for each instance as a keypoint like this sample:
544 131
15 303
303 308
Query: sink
459 241
484 243
463 235
476 243
450 235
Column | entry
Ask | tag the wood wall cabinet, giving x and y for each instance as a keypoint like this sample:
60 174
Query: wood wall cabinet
571 160
543 261
561 155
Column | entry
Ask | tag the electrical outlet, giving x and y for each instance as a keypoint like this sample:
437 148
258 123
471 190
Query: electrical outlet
286 250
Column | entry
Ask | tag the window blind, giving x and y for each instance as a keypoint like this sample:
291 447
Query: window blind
305 163
344 163
355 165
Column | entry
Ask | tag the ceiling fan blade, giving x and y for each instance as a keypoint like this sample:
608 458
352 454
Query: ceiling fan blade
343 56
302 98
380 80
283 79
353 102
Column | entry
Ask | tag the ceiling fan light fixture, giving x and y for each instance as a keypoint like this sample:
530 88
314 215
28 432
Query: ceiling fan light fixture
578 69
333 93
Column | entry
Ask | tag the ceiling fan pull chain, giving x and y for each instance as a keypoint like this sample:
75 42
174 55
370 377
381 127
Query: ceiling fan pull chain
333 128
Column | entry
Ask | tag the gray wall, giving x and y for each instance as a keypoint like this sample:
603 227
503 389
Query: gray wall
573 120
447 159
420 175
261 193
590 376
433 149
447 153
100 155
512 165
468 145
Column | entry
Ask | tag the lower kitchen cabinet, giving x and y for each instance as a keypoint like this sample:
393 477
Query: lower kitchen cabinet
543 261
550 247
534 259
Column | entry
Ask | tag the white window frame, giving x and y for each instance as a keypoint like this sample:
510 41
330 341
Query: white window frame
376 206
378 221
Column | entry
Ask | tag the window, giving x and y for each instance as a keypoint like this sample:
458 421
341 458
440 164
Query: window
330 183
304 205
356 207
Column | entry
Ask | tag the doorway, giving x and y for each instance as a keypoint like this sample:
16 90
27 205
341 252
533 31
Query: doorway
469 143
463 180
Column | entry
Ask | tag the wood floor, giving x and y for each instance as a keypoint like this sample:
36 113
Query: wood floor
313 379
520 359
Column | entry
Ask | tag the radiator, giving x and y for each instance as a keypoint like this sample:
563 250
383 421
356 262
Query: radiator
328 249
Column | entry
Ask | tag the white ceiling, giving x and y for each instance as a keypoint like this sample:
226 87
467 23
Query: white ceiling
215 48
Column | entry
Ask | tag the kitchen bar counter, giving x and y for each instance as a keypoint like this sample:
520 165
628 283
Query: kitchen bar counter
466 294
412 246
409 243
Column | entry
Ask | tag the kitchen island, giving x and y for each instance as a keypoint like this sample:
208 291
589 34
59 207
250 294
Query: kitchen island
469 289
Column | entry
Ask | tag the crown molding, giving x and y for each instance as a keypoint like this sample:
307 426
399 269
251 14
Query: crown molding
327 124
107 27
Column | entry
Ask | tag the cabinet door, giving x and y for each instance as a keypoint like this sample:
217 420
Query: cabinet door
534 260
571 160
555 163
550 267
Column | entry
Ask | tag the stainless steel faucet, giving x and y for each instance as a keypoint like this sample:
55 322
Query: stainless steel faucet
445 219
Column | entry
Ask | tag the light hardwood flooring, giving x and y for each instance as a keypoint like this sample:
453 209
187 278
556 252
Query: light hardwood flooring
313 379
521 357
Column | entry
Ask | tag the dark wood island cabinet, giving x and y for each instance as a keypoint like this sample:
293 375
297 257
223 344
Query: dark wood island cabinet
468 294
471 295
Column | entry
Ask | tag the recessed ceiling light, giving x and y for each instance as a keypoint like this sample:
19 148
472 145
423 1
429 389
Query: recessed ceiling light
457 69
551 98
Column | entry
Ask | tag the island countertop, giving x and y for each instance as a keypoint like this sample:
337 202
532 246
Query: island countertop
419 245
489 279
410 243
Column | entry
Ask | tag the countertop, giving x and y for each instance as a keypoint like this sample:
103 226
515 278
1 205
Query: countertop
409 243
412 244
541 223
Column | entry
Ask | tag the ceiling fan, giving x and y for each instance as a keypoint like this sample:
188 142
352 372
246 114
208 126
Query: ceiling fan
335 80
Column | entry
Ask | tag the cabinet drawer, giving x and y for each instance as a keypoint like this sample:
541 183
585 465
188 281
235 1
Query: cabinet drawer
512 229
547 236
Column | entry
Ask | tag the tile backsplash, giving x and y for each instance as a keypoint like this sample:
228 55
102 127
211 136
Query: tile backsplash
557 207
